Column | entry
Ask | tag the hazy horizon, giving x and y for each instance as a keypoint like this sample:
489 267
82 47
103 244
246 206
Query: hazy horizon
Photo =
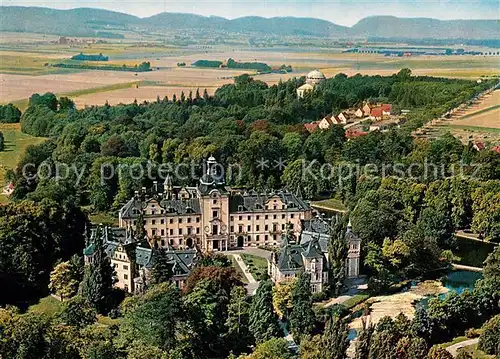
340 12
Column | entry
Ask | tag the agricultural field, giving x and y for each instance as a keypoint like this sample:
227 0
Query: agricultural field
26 59
479 122
16 143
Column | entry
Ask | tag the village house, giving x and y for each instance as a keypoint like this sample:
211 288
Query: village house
212 216
133 258
310 254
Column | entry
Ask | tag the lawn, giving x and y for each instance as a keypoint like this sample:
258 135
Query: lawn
48 305
330 204
16 143
355 300
239 270
103 218
257 265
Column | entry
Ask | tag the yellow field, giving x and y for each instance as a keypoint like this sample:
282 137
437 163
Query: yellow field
482 114
23 71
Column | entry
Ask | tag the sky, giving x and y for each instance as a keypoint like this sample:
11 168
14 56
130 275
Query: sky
341 12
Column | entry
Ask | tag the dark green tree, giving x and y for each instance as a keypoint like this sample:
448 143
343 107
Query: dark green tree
77 312
263 320
335 340
302 316
237 323
337 254
162 267
98 279
364 341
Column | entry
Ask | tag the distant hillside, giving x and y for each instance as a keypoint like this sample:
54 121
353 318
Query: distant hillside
424 28
88 22
76 22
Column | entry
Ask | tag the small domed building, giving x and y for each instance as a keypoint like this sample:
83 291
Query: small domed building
312 79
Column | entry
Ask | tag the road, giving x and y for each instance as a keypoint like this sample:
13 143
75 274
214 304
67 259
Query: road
453 349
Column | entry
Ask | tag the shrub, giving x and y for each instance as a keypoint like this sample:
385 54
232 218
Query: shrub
472 333
490 337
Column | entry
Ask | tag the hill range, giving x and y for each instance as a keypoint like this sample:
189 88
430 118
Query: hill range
88 22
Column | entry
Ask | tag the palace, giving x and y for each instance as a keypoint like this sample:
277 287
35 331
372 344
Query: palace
310 254
212 216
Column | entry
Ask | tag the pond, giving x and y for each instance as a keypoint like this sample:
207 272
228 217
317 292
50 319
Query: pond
456 281
472 252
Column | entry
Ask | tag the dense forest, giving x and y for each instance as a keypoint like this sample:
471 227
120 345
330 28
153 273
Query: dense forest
9 114
82 57
232 64
405 216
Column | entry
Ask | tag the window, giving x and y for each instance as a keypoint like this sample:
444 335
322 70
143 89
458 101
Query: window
215 214
257 217
249 218
153 232
214 201
171 231
197 230
249 228
232 229
274 207
282 216
189 230
266 237
257 237
153 221
240 218
152 212
283 207
249 238
162 232
197 219
240 228
171 221
282 227
125 276
163 243
215 229
292 215
180 220
274 216
257 228
232 218
266 216
162 221
180 231
189 219
125 267
266 227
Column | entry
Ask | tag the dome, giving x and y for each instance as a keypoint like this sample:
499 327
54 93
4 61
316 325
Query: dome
315 77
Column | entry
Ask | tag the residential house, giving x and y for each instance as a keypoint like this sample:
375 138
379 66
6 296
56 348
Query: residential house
479 146
310 254
311 127
133 258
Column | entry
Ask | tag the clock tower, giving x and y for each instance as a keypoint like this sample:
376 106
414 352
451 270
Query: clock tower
214 200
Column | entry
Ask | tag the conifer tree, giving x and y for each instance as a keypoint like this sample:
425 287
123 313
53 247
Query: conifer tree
98 278
335 341
302 316
337 255
238 317
263 320
162 267
364 341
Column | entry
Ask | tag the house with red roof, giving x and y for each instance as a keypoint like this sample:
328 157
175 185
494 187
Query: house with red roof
496 149
479 146
311 127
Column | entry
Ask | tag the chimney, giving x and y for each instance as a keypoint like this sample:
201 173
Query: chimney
155 186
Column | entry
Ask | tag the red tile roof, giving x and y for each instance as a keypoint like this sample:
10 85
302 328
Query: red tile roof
311 127
376 112
480 145
496 149
386 107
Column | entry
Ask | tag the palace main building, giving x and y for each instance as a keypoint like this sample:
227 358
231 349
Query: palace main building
212 216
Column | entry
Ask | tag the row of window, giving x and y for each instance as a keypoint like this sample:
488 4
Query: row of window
257 217
172 220
215 214
180 232
275 228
